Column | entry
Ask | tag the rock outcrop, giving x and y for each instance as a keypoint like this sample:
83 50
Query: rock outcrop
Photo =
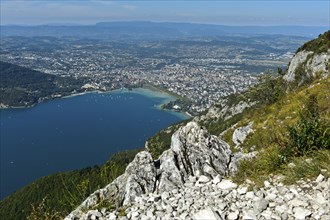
312 64
194 154
241 133
225 111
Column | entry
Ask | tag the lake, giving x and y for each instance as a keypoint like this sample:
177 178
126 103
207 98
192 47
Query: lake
76 132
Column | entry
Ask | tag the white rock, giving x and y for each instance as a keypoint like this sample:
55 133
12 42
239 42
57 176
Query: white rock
271 197
135 214
242 190
216 179
207 214
248 215
111 216
319 178
144 217
183 215
267 214
296 202
280 209
233 215
272 205
288 196
320 198
226 184
316 64
267 184
301 213
241 133
294 63
165 196
260 205
294 191
275 217
150 214
203 179
249 195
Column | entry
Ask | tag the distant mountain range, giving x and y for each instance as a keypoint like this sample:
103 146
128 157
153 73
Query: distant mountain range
155 30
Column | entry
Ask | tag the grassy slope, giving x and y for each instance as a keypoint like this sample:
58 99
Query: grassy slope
270 136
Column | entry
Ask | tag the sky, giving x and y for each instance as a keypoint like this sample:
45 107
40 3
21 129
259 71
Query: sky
226 12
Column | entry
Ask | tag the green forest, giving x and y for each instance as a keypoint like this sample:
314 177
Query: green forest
23 87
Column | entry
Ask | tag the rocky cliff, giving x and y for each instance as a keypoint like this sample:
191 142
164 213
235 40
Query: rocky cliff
309 64
194 153
190 181
311 60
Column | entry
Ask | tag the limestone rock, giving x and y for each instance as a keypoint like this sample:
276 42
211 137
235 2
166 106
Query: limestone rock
233 215
319 178
312 64
141 177
226 184
296 60
241 133
198 153
260 205
301 213
207 214
191 178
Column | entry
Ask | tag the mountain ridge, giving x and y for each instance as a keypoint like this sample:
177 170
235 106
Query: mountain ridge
154 30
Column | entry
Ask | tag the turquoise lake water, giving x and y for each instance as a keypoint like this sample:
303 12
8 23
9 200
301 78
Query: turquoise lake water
76 132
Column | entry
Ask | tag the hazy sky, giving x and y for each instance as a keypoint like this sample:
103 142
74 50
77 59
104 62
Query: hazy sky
244 12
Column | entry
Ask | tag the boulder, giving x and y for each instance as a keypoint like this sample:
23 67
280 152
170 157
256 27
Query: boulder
241 133
207 214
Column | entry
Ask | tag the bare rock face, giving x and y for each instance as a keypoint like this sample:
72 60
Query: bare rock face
296 60
141 177
224 112
194 153
312 64
241 133
189 181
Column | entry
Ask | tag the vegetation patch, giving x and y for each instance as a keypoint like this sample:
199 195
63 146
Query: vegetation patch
55 196
21 87
318 45
296 130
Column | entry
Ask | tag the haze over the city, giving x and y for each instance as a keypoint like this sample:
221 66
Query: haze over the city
268 12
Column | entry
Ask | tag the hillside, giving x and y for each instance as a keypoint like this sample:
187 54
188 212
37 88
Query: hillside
318 45
54 196
23 87
286 141
249 147
275 133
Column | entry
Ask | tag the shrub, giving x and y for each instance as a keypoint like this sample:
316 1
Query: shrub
311 132
269 89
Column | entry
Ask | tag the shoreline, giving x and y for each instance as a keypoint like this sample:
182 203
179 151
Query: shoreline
145 90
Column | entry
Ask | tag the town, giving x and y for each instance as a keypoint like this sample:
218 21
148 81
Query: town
198 70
